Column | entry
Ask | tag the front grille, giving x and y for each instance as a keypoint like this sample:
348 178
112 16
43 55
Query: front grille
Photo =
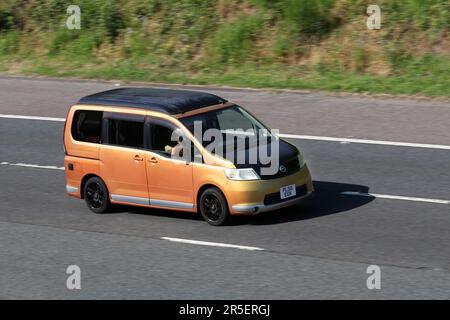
291 165
275 198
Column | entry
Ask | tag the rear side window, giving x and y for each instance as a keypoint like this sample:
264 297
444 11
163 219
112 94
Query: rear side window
126 133
87 126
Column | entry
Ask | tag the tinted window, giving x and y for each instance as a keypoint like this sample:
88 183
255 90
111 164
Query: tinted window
126 133
87 126
161 138
225 120
232 118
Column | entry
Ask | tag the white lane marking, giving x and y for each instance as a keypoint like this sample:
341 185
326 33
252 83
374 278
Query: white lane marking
386 196
366 141
348 193
288 136
212 244
13 116
31 166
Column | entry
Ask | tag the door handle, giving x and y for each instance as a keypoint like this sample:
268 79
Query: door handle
153 160
138 158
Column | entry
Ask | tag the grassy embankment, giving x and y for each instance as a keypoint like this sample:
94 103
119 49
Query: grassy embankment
298 44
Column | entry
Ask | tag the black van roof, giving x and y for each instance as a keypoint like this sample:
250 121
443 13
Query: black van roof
164 100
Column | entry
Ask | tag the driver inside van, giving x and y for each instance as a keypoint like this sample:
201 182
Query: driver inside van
176 149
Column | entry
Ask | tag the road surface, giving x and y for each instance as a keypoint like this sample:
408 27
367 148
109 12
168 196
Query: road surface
314 251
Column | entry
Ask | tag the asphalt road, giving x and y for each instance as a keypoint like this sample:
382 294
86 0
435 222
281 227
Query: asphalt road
318 250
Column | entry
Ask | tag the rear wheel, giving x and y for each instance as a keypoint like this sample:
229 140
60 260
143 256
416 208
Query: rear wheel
214 207
96 195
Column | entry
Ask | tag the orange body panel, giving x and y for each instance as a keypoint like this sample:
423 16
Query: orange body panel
124 171
168 179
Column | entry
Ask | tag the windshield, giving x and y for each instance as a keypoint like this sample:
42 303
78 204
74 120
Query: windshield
228 130
234 134
233 121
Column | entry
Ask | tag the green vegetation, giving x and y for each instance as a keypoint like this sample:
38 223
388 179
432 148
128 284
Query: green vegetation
298 44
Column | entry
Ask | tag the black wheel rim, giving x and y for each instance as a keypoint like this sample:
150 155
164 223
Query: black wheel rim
212 208
95 195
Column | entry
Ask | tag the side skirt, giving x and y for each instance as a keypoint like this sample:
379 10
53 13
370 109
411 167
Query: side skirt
152 202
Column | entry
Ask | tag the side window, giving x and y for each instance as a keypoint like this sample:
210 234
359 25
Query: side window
87 126
161 138
233 119
126 133
161 133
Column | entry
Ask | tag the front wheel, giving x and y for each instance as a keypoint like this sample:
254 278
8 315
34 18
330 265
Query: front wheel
214 207
96 195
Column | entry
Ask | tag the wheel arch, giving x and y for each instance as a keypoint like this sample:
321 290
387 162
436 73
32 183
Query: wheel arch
205 187
85 179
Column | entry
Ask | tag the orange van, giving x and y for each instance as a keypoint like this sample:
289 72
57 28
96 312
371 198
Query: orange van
120 149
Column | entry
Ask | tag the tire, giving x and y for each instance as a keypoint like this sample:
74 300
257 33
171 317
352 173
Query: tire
213 207
96 195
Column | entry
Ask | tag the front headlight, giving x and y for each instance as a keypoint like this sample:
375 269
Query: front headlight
301 160
241 174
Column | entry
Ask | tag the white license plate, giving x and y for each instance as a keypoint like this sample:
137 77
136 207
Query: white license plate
287 192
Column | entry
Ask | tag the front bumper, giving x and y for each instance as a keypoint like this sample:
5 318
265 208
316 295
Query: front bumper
249 197
259 208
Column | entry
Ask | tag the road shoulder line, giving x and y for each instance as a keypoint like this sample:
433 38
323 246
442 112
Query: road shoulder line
212 244
288 136
392 197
